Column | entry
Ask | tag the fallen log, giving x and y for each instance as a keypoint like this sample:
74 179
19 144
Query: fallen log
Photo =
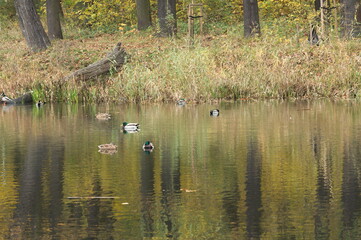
112 61
26 98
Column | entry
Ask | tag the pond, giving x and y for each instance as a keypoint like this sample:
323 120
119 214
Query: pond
260 170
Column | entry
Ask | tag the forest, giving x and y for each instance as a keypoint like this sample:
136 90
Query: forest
157 51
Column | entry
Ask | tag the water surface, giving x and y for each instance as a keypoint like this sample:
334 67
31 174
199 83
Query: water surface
261 170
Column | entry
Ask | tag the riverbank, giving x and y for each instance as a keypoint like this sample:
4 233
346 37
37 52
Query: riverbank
221 66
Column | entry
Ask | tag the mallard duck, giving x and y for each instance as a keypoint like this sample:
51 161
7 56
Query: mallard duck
40 103
6 99
214 113
130 126
131 131
181 102
103 116
107 146
148 146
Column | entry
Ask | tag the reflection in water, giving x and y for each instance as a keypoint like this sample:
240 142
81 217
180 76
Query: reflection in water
56 186
258 171
322 156
31 204
99 213
253 190
147 195
230 194
95 213
30 200
231 198
170 185
351 197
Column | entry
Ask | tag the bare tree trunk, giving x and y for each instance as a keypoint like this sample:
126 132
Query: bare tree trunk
30 25
251 18
143 14
348 10
317 5
358 14
167 17
53 10
358 20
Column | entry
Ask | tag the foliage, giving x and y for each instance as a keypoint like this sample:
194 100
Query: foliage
226 11
109 15
292 9
100 13
113 13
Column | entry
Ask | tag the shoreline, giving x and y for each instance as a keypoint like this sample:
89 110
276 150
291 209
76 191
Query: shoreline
218 67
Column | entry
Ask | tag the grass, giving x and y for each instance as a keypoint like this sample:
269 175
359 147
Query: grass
222 65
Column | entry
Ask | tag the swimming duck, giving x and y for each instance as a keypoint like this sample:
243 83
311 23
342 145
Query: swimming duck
6 99
214 113
131 131
107 151
181 102
40 103
107 146
148 146
130 126
103 116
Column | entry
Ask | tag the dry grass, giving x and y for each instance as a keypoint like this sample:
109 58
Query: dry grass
218 67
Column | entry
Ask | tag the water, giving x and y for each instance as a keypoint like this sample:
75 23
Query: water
261 170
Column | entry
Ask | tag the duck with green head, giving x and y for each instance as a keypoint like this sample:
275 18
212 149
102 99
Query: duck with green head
148 146
181 102
130 126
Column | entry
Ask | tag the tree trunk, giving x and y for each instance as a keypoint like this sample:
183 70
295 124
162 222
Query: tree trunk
53 10
348 10
358 14
30 25
143 14
251 18
358 21
317 5
111 62
167 17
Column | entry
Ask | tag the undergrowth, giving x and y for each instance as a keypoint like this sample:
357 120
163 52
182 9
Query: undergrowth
221 65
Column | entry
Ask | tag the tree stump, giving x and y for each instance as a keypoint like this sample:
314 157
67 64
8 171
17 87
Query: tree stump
112 61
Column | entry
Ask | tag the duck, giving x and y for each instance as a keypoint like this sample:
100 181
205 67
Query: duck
131 131
107 146
103 116
130 126
107 151
214 112
6 99
40 103
181 102
148 146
